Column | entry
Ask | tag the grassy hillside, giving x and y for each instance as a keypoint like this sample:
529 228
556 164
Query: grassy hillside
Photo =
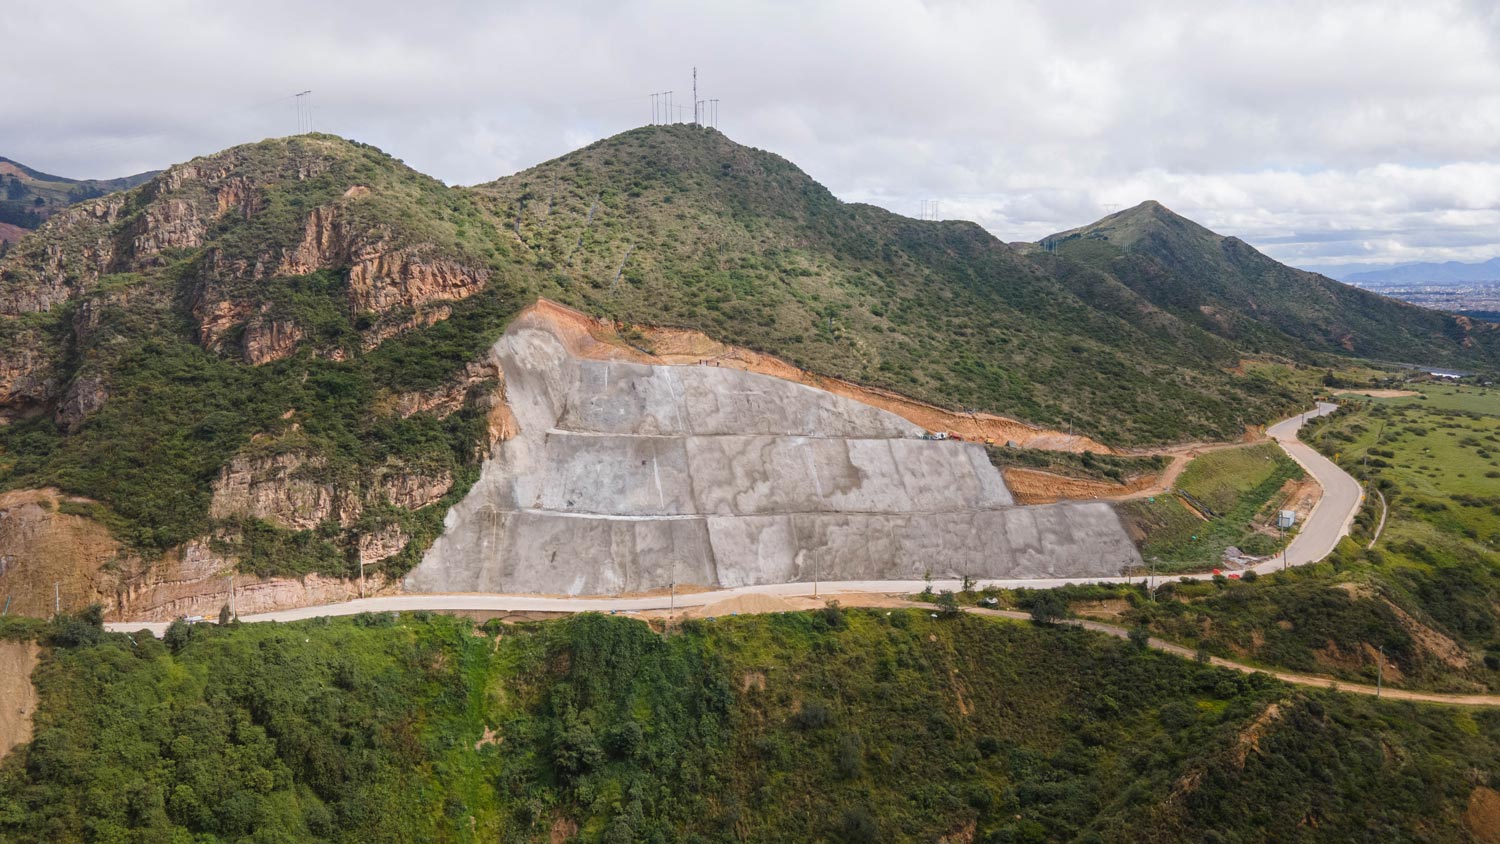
1224 286
681 226
1231 495
1425 593
837 726
28 197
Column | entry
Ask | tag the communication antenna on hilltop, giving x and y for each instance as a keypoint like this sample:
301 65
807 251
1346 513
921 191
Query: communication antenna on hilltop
1111 207
695 96
929 210
713 113
667 118
304 112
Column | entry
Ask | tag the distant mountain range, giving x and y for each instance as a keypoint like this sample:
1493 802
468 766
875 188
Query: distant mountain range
28 197
1427 273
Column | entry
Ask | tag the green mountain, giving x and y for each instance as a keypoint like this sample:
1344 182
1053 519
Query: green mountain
27 196
1225 287
313 300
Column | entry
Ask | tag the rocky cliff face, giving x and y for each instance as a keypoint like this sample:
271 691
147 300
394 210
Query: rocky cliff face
293 489
47 539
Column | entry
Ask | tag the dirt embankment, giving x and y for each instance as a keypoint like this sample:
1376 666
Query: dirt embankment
17 694
602 340
47 552
1035 486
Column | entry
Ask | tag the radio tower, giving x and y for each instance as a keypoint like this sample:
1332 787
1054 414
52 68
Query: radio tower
695 96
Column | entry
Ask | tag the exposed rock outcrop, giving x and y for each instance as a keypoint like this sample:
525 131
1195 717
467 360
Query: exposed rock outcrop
267 339
411 490
85 395
282 488
26 373
446 399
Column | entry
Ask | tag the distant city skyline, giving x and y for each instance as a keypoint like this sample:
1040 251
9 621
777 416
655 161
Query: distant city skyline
1328 135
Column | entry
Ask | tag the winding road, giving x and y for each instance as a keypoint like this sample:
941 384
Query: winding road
1328 523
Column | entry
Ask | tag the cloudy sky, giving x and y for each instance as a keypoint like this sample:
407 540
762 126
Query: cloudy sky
1326 133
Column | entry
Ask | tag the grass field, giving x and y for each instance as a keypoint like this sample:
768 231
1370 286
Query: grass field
1426 596
1239 486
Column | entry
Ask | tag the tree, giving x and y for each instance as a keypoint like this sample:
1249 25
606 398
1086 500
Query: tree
1140 637
947 602
1048 607
224 616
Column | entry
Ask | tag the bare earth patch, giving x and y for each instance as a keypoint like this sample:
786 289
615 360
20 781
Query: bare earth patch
17 695
1482 817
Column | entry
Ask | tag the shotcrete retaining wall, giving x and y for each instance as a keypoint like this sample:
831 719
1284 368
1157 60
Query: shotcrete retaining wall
628 477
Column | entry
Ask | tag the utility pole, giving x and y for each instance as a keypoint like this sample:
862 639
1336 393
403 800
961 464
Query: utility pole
56 597
672 602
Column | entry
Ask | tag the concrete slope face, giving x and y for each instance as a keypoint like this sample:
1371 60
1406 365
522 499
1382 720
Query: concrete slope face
628 477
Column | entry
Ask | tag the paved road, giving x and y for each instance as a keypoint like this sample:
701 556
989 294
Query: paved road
1331 517
1328 522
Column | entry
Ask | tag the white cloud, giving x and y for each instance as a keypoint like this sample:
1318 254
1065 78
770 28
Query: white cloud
1324 132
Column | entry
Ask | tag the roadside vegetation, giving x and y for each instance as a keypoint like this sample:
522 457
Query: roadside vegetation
836 726
1418 610
1231 499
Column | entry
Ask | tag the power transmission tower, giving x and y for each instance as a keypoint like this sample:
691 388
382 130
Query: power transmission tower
304 112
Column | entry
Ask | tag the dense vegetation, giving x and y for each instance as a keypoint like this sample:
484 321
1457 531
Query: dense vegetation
837 726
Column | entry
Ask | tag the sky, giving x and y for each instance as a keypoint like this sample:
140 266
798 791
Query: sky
1329 134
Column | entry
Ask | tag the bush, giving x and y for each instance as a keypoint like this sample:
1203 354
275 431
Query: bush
1048 607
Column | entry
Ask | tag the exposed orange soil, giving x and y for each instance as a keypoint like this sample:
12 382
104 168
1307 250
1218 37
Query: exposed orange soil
17 694
603 340
1034 486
